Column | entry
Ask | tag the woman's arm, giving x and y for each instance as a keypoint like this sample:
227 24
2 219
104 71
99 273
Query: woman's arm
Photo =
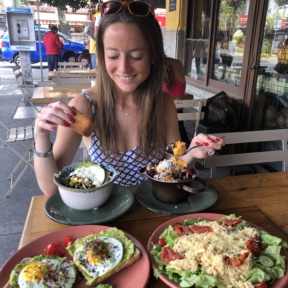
58 116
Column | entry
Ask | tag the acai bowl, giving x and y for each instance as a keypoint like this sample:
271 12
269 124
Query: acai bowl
172 180
84 186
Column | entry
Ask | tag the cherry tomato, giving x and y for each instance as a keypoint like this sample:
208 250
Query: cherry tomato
261 285
255 246
168 255
161 242
236 262
232 223
181 229
68 240
198 229
54 249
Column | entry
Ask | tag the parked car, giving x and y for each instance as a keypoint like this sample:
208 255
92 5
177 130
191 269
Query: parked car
13 55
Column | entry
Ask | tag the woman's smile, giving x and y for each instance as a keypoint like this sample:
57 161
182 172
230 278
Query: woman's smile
126 78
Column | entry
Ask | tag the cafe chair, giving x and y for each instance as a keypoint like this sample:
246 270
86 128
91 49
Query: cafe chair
25 101
252 158
63 66
20 135
192 110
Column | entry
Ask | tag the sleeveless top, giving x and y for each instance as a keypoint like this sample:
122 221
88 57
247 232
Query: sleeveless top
177 89
125 163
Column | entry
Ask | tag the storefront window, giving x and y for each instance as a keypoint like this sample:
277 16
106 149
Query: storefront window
227 36
272 79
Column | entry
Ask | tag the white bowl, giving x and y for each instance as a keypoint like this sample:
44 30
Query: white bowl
84 199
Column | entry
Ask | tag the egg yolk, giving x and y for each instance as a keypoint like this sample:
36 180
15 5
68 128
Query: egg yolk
91 258
34 271
97 252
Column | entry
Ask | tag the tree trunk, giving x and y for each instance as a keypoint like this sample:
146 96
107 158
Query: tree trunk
64 26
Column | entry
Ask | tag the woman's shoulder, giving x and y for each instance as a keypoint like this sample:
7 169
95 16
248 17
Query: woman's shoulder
178 69
84 101
176 64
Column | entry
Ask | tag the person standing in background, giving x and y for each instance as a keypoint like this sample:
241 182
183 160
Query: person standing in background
227 54
92 41
53 47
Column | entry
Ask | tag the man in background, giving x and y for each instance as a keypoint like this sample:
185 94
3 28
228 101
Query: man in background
53 47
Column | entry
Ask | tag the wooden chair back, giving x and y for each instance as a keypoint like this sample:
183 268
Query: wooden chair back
71 65
61 81
252 157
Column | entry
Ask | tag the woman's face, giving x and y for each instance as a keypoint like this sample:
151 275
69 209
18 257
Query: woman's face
127 56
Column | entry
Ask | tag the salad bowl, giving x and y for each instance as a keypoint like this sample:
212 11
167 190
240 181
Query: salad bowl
88 198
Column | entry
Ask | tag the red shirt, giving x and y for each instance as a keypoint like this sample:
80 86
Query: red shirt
52 43
177 90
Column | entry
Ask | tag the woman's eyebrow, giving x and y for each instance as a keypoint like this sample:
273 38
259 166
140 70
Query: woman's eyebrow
131 50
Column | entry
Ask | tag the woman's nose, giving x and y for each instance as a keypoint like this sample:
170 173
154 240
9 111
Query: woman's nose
124 64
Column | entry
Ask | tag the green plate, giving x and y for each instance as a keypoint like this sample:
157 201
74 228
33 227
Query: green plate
119 203
195 203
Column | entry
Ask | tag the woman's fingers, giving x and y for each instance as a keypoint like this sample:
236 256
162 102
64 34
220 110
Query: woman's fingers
208 144
54 114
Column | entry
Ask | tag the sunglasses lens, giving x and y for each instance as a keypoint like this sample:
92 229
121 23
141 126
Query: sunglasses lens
112 7
139 8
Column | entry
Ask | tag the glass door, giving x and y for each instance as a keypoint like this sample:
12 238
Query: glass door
270 96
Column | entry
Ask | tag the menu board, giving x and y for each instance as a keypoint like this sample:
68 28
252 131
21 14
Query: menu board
172 5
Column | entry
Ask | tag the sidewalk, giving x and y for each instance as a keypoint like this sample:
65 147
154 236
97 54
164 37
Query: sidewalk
13 210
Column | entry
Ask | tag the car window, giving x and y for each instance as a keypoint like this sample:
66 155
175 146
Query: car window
63 39
42 34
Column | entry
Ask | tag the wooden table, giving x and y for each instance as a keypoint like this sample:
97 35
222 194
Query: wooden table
73 72
47 94
259 198
76 73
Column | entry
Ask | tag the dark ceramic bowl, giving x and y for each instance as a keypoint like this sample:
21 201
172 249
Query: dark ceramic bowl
174 192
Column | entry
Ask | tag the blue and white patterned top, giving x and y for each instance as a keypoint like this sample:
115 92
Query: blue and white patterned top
125 163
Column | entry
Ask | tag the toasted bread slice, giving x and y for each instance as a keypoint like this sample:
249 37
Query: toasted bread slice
83 124
21 266
136 256
131 254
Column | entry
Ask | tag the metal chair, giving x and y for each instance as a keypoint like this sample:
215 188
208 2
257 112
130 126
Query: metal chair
27 92
19 134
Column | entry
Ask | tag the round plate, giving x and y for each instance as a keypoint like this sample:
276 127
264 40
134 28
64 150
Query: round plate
119 202
136 275
282 283
196 202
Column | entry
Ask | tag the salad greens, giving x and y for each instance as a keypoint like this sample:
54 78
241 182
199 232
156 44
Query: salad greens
268 266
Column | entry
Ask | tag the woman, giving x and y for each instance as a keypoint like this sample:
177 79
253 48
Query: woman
134 119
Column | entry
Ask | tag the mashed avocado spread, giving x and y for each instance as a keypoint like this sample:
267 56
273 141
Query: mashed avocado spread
91 261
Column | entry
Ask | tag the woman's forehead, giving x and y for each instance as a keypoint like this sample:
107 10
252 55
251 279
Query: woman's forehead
123 32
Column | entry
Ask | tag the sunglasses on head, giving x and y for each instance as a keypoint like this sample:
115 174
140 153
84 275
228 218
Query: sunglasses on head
136 8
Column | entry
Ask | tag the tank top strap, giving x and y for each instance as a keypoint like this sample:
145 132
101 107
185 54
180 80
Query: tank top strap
85 94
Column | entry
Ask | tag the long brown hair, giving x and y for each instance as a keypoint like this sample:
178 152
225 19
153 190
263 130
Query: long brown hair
148 96
168 73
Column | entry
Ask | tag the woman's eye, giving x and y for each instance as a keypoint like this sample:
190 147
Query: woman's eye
112 57
137 58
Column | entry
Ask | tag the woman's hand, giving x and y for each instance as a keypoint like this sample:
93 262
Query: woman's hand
207 145
52 115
